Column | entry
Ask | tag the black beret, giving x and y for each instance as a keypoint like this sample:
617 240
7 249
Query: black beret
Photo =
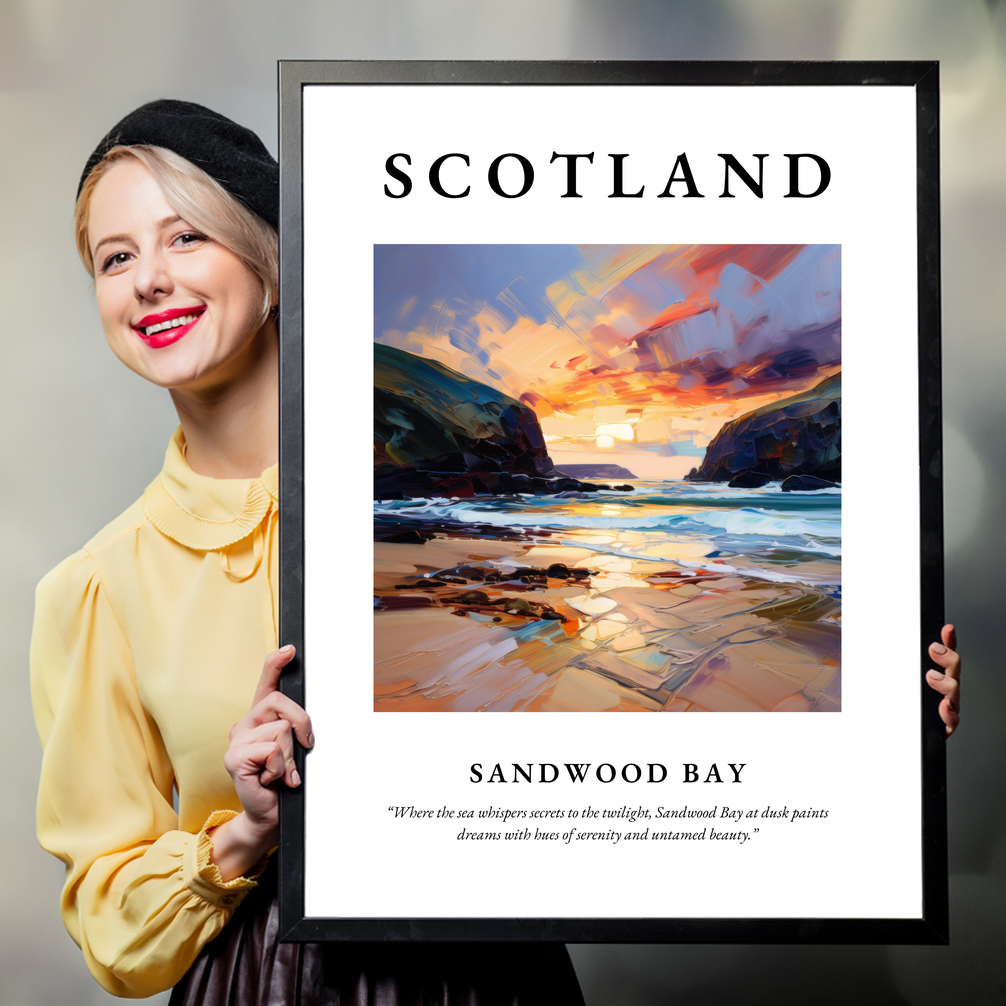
231 154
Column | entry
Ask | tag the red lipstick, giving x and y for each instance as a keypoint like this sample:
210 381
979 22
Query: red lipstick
166 327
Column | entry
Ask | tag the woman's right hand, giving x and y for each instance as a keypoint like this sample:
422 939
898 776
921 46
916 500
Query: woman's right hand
260 753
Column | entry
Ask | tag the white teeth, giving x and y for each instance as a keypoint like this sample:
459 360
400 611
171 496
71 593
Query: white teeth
173 323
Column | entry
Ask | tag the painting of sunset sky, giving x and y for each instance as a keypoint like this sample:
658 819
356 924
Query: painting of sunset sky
607 478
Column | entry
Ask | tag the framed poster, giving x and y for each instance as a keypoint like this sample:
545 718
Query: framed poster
564 350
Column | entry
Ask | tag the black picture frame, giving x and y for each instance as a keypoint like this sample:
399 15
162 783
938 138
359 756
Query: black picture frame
931 927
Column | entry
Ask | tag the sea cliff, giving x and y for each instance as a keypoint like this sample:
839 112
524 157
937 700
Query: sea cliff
797 440
439 433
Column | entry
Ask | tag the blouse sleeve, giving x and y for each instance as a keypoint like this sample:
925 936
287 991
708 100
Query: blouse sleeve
141 898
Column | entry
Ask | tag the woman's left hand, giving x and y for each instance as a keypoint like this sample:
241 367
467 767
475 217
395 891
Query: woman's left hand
947 682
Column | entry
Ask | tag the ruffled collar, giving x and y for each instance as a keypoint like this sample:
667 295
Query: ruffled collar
203 513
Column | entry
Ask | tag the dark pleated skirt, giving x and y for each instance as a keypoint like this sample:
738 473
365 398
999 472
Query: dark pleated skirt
246 965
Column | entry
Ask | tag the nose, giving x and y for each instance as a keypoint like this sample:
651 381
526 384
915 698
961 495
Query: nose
152 276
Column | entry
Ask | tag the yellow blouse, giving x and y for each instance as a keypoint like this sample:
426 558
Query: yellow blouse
147 647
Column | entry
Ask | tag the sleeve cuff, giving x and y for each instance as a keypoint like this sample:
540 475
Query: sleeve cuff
202 876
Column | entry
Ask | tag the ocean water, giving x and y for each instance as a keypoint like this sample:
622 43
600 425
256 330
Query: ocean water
763 533
685 597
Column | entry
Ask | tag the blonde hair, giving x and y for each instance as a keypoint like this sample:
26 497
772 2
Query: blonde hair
199 200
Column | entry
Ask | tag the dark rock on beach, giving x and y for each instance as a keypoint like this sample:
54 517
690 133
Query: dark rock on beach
749 480
494 597
408 537
805 484
801 435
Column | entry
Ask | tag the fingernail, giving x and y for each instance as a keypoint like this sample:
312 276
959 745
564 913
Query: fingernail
295 777
936 675
287 649
938 648
310 740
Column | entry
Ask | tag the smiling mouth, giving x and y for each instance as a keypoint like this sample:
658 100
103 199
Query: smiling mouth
167 324
167 327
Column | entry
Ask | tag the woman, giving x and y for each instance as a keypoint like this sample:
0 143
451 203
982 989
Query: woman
148 643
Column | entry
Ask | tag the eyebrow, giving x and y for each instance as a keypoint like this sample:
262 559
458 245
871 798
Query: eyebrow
111 238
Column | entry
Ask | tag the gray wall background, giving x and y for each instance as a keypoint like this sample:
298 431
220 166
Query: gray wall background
82 436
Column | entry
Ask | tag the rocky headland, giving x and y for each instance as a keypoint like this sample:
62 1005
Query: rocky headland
439 433
597 471
797 441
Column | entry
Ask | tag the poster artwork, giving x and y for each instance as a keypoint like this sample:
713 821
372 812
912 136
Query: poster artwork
607 478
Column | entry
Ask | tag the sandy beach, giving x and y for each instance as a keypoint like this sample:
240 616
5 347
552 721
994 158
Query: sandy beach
531 626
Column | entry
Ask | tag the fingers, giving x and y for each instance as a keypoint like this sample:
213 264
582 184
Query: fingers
947 680
262 761
951 717
271 671
277 706
279 764
270 703
949 636
948 660
265 751
948 710
949 688
261 749
945 655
